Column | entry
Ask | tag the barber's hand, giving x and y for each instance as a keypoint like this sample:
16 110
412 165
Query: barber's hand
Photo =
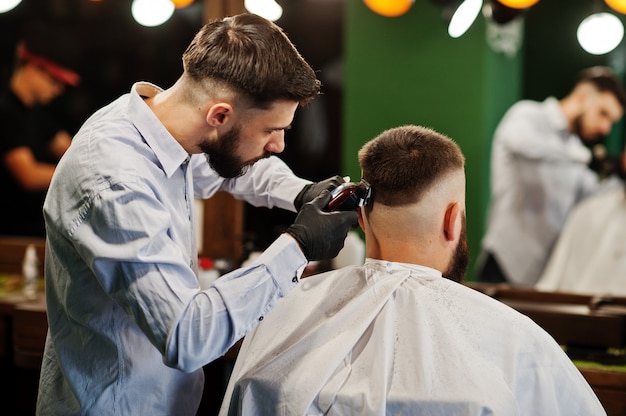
313 190
321 234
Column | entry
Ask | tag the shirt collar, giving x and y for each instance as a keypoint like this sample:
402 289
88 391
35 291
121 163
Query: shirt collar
555 115
168 151
393 266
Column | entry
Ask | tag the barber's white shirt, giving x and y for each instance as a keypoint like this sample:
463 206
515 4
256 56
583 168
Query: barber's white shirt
390 338
590 256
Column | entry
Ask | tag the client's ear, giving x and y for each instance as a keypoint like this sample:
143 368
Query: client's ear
361 220
450 228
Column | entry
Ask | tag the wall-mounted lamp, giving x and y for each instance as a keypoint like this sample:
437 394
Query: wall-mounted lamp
600 33
8 5
268 9
389 8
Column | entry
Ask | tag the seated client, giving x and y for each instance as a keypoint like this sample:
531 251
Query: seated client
589 256
401 334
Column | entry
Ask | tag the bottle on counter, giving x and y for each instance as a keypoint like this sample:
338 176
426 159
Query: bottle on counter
207 273
30 272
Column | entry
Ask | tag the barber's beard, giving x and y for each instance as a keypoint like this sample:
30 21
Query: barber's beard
222 154
458 264
577 125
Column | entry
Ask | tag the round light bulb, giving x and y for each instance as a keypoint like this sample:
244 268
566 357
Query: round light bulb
600 33
389 8
518 4
179 4
8 5
152 12
268 9
617 5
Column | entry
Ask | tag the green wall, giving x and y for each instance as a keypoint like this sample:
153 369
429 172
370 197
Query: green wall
407 70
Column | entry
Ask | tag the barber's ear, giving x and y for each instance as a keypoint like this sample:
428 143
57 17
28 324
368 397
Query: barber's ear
451 227
219 114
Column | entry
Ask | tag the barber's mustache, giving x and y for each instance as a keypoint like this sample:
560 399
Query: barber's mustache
265 155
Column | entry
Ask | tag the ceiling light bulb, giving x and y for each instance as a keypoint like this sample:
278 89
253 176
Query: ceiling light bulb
8 5
152 12
389 8
463 17
600 33
518 4
180 4
617 5
268 9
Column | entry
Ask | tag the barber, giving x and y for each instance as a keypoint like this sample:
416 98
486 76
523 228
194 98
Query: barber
129 327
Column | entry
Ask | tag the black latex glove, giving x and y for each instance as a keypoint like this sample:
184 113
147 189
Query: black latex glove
313 190
321 234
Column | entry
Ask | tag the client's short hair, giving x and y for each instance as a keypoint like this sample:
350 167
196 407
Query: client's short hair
402 163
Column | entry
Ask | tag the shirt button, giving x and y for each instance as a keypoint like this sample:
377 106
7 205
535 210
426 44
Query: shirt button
260 318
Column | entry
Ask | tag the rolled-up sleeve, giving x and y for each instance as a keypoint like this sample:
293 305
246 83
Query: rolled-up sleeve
234 305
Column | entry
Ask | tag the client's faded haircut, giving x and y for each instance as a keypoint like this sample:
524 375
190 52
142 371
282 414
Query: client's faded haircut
404 162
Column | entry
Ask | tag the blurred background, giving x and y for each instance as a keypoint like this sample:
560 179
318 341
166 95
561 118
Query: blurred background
382 63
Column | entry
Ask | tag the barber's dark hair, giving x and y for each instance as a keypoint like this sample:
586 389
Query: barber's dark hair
605 80
255 57
402 163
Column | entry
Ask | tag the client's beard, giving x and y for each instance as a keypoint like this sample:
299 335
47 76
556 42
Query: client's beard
222 154
458 263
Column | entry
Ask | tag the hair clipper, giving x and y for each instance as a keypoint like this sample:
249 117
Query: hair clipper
349 196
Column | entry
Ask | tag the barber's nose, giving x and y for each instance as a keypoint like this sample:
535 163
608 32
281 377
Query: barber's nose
276 143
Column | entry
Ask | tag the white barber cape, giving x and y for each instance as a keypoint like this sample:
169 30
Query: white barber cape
590 255
389 338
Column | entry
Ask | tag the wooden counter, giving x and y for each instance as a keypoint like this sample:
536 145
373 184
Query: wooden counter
572 319
609 386
30 326
23 327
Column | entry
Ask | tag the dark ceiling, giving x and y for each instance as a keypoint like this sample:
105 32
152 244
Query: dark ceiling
112 51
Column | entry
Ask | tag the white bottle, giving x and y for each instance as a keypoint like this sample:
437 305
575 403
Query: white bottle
30 272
